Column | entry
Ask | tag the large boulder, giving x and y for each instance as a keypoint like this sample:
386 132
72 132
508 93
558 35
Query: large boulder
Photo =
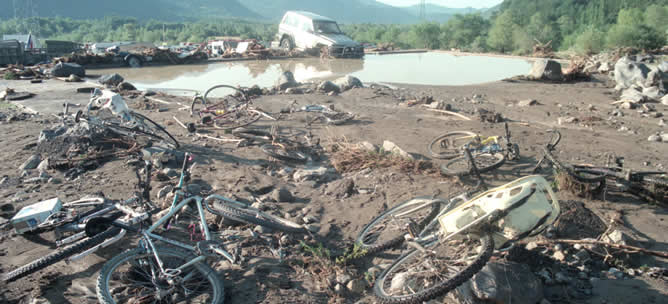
287 80
348 82
629 73
111 80
328 86
63 69
546 70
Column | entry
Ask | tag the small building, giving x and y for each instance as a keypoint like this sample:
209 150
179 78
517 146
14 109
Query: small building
11 52
28 41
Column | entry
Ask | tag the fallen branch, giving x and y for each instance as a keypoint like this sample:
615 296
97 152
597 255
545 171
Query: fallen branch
450 113
633 249
158 100
180 123
219 139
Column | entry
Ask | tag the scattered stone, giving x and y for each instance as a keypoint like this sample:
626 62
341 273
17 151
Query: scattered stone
194 189
343 278
164 191
287 80
619 237
262 229
328 87
546 70
627 105
73 78
43 166
315 174
567 120
559 256
126 86
31 163
310 219
282 195
527 102
312 228
356 286
342 188
365 145
629 73
616 272
112 80
562 278
505 283
654 138
531 246
170 172
294 91
348 82
390 147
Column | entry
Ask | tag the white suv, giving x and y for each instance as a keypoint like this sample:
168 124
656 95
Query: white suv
307 31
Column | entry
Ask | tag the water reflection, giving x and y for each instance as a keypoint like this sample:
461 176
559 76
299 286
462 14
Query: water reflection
428 68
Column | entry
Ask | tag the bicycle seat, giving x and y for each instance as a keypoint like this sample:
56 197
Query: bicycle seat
526 207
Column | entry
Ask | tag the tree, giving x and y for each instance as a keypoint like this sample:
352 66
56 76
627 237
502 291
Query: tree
427 34
656 17
591 41
501 34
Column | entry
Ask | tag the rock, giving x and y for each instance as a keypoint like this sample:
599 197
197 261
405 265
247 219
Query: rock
633 96
531 246
390 147
43 166
310 219
616 272
546 70
31 163
582 255
559 256
126 86
629 73
348 82
664 137
73 78
653 93
262 229
282 195
619 237
627 105
312 228
294 91
315 174
170 172
111 80
662 122
367 146
565 120
507 282
194 189
63 69
527 102
654 138
328 87
286 80
664 100
561 278
400 283
341 188
343 278
604 68
164 191
356 286
338 288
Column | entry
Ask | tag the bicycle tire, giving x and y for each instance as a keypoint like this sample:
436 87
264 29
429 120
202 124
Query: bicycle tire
224 123
253 135
450 152
253 216
102 285
596 177
59 255
485 162
279 153
155 129
441 288
371 248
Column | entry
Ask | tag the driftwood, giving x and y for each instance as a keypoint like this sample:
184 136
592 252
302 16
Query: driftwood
450 113
626 248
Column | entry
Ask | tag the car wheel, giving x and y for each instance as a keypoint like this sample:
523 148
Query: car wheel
286 44
134 62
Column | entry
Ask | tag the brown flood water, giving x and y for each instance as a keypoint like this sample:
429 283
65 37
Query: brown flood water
431 68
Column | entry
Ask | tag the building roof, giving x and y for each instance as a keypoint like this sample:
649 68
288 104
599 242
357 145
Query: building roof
20 38
312 16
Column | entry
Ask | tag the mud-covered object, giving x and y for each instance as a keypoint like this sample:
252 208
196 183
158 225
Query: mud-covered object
111 80
328 86
348 82
63 69
126 86
546 70
287 80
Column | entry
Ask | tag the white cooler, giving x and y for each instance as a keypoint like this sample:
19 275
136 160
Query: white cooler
30 216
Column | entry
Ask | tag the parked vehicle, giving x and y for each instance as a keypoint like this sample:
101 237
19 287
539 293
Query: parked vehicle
307 31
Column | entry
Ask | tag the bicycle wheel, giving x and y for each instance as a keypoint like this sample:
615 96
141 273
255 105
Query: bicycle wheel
133 277
236 119
253 135
59 255
449 145
153 129
278 152
388 229
420 276
246 214
484 162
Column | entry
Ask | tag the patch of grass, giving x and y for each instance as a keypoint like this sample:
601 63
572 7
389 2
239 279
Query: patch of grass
354 253
350 157
10 76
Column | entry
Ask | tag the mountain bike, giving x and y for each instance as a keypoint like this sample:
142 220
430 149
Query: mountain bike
488 152
469 233
648 185
88 235
279 146
123 121
224 114
178 272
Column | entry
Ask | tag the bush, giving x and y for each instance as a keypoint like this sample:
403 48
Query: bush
638 36
10 76
590 41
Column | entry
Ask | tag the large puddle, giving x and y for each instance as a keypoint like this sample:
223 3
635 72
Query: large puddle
431 68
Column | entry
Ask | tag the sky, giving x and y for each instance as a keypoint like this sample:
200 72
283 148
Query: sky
446 3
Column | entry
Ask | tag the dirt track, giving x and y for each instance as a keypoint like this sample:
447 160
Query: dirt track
237 172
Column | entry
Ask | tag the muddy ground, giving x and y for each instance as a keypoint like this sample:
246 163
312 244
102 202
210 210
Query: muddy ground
241 172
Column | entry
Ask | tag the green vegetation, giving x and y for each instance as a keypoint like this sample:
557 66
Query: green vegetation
582 26
10 76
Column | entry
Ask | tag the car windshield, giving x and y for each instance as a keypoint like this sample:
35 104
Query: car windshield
326 27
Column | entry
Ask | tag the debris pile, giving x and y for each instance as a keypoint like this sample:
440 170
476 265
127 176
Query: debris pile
163 55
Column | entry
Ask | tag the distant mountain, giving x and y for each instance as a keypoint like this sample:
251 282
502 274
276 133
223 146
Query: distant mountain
344 11
166 10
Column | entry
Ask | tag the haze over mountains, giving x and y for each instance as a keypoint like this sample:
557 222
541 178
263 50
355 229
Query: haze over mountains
345 11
